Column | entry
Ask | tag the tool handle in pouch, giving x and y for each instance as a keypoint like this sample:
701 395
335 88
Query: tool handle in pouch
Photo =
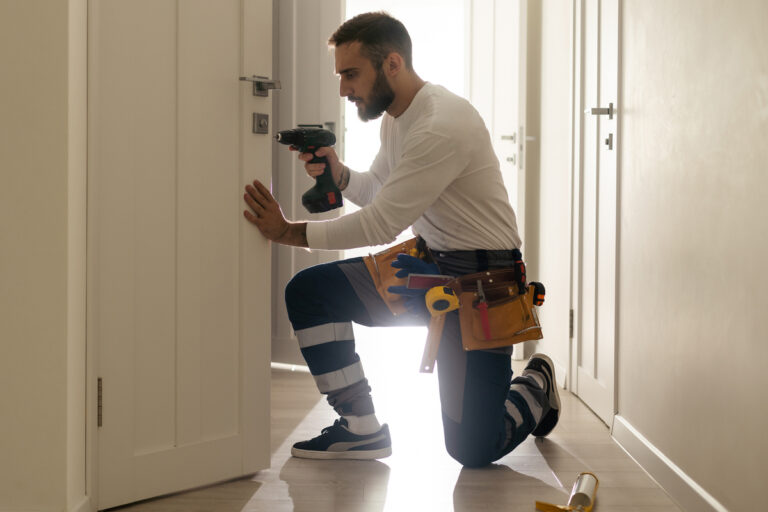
440 301
436 325
482 307
325 195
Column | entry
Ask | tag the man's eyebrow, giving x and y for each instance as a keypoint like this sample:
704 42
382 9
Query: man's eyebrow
347 70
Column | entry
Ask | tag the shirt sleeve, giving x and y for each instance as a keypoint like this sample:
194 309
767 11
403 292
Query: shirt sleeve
429 163
363 186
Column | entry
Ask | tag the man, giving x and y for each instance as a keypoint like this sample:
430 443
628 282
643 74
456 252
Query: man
436 170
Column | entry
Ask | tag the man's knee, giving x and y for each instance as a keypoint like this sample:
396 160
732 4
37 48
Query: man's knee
299 288
470 450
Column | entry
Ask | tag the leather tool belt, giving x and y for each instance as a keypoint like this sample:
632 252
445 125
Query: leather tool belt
494 312
496 307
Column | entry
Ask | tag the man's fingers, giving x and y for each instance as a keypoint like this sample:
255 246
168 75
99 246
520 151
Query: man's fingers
251 217
266 195
258 193
253 203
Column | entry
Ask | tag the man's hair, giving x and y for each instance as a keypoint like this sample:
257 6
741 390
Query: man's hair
379 35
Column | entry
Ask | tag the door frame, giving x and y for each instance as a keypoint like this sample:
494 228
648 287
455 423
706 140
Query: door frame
303 65
577 111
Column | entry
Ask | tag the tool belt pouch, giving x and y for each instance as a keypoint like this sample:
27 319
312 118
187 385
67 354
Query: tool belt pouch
505 318
379 265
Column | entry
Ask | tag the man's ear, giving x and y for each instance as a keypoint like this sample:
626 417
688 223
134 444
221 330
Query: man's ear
393 64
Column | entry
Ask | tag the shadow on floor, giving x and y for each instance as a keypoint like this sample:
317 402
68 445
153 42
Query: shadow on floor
498 487
336 484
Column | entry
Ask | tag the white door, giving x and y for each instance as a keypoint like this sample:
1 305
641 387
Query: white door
596 213
497 89
497 57
179 282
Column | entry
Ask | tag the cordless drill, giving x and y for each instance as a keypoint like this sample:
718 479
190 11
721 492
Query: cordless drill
325 195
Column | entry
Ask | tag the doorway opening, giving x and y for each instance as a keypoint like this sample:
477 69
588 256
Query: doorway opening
437 30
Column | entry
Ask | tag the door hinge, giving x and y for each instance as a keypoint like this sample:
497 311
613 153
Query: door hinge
98 404
570 324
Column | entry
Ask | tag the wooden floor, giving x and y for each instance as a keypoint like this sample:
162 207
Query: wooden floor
419 476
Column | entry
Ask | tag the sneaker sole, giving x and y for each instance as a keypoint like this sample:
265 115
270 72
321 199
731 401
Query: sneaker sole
345 455
550 420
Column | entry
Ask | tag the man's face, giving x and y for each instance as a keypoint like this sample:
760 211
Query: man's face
359 82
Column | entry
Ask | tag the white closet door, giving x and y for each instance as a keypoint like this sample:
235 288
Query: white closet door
497 50
179 282
496 84
596 237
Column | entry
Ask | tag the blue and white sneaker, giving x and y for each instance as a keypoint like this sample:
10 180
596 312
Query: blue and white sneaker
337 442
543 365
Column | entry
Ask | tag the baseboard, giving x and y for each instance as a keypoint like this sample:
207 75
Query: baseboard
290 367
84 506
681 488
561 372
286 350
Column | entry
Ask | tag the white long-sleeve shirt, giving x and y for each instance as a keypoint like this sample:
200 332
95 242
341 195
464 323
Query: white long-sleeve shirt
436 170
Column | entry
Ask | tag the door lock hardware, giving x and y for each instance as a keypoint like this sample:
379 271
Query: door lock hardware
261 84
601 111
511 159
512 137
260 123
609 141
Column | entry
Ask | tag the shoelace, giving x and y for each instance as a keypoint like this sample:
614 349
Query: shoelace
328 429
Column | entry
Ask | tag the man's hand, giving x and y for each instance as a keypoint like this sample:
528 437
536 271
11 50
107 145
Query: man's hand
268 217
339 171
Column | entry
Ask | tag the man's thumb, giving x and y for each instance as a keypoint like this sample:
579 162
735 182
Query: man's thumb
323 151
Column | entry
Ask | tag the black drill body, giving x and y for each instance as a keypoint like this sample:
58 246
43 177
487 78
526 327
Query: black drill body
325 195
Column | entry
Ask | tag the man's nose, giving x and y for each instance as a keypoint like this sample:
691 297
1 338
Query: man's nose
344 90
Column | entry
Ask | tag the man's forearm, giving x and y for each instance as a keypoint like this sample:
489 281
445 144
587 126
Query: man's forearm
344 179
295 235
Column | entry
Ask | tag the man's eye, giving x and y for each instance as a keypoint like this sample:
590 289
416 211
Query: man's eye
350 76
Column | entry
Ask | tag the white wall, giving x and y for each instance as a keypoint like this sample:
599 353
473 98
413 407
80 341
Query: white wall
693 287
42 255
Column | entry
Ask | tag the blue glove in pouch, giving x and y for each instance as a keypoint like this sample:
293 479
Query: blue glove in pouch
414 298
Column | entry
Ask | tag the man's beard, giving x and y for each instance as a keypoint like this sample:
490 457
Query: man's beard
382 97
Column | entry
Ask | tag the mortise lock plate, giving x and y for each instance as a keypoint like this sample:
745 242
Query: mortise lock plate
261 84
260 123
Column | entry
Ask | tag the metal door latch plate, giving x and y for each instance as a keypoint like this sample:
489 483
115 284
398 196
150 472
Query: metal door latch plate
260 123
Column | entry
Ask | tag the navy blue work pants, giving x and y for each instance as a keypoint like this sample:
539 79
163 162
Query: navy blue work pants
485 413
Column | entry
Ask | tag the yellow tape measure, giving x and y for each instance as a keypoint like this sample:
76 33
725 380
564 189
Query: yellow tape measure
440 300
